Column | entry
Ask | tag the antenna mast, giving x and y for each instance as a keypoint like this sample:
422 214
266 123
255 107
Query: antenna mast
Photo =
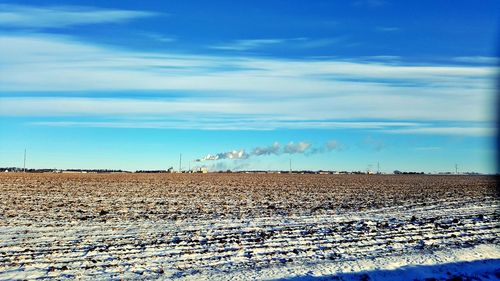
180 162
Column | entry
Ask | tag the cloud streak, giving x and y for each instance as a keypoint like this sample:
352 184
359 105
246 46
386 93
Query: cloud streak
478 60
243 45
257 93
20 16
299 43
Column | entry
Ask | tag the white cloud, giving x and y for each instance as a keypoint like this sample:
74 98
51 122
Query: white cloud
452 130
300 43
478 60
255 92
317 112
63 16
248 44
50 63
224 123
387 28
158 37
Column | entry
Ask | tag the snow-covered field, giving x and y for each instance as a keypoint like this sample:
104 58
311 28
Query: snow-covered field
247 227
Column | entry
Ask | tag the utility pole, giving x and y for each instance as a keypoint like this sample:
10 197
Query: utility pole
180 163
24 163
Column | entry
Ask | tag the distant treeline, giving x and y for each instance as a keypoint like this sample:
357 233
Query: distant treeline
152 171
396 172
16 169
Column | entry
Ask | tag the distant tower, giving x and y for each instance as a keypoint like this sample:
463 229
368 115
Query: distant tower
24 163
180 162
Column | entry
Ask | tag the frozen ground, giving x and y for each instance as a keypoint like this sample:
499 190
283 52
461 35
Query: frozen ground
247 227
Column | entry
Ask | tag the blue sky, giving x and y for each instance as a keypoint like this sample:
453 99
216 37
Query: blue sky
337 85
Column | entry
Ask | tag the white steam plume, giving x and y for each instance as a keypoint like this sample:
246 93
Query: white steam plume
234 154
267 150
293 148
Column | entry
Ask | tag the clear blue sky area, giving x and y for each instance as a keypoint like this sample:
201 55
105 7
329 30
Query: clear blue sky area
243 85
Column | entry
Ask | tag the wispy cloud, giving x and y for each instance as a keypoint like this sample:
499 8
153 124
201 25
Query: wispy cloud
300 42
158 37
478 60
182 121
386 58
387 28
255 92
243 45
63 16
452 130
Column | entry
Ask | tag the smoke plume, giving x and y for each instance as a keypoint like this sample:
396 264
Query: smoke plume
327 147
293 148
234 154
274 149
267 150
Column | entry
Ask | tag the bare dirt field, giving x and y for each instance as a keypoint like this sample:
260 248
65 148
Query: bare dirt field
211 226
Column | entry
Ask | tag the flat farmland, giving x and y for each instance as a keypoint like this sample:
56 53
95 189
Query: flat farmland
223 226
